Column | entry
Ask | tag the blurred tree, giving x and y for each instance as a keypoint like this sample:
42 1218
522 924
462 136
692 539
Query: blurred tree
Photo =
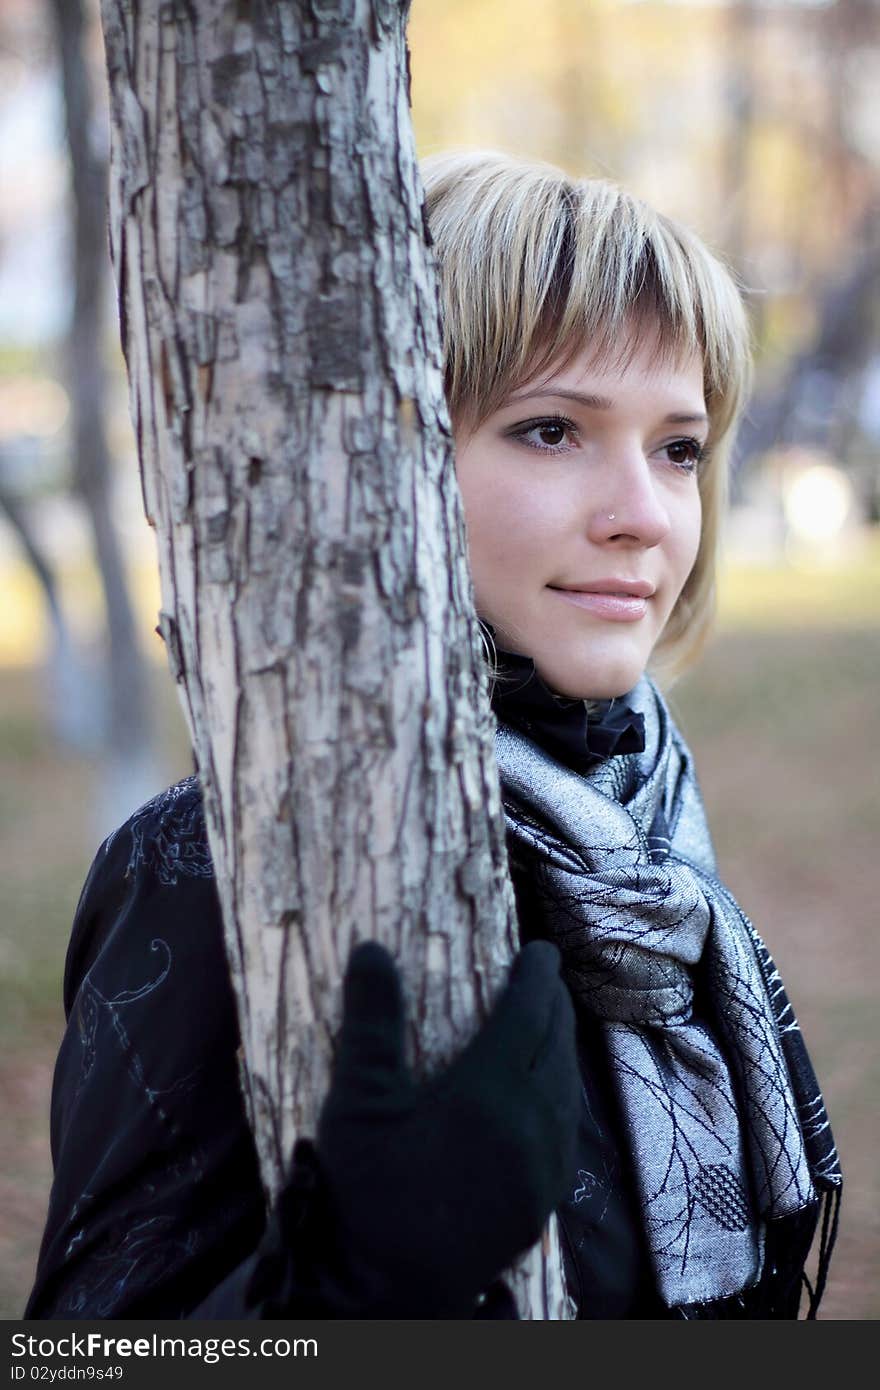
66 678
279 319
819 398
740 101
130 772
587 129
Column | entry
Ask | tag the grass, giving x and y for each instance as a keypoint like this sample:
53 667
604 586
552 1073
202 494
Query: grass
802 595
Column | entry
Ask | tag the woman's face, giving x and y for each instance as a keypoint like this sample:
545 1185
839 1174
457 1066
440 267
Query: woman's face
583 515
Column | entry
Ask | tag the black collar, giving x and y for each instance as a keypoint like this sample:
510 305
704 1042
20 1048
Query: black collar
562 725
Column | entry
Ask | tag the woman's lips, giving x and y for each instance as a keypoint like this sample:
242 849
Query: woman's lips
616 608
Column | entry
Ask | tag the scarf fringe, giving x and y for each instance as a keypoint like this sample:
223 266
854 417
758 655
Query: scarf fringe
827 1238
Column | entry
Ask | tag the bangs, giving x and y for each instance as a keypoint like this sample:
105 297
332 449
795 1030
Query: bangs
536 268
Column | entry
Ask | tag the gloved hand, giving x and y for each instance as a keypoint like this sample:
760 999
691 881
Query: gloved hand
435 1187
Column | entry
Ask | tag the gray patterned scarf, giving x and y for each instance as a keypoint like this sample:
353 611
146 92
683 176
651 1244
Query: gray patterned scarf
725 1122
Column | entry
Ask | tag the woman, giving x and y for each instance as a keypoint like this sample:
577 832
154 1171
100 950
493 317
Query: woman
657 1095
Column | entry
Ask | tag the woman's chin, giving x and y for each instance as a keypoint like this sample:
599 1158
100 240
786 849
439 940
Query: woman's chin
601 677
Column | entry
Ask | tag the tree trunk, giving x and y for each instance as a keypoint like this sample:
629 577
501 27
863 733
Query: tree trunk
130 773
279 318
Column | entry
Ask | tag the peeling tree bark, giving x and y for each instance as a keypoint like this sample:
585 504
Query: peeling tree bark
279 318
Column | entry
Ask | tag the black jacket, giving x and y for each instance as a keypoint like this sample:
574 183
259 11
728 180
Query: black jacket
156 1199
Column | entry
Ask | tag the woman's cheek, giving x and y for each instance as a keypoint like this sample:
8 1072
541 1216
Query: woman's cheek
696 533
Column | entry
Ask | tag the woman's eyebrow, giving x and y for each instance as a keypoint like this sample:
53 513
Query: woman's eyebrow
605 403
593 402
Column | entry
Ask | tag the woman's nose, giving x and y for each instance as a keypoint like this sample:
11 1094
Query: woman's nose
629 508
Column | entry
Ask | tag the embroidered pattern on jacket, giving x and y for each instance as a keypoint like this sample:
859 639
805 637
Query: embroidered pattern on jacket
168 835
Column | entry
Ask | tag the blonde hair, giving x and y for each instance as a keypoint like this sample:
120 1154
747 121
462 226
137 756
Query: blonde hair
535 265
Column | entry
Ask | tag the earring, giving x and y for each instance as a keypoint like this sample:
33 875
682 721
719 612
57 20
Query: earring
610 516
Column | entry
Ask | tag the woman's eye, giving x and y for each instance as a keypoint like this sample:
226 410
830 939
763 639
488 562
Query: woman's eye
551 434
547 434
686 454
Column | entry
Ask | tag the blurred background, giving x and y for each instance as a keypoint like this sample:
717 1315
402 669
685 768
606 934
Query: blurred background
759 124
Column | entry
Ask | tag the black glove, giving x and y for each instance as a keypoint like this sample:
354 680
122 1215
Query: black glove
435 1187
